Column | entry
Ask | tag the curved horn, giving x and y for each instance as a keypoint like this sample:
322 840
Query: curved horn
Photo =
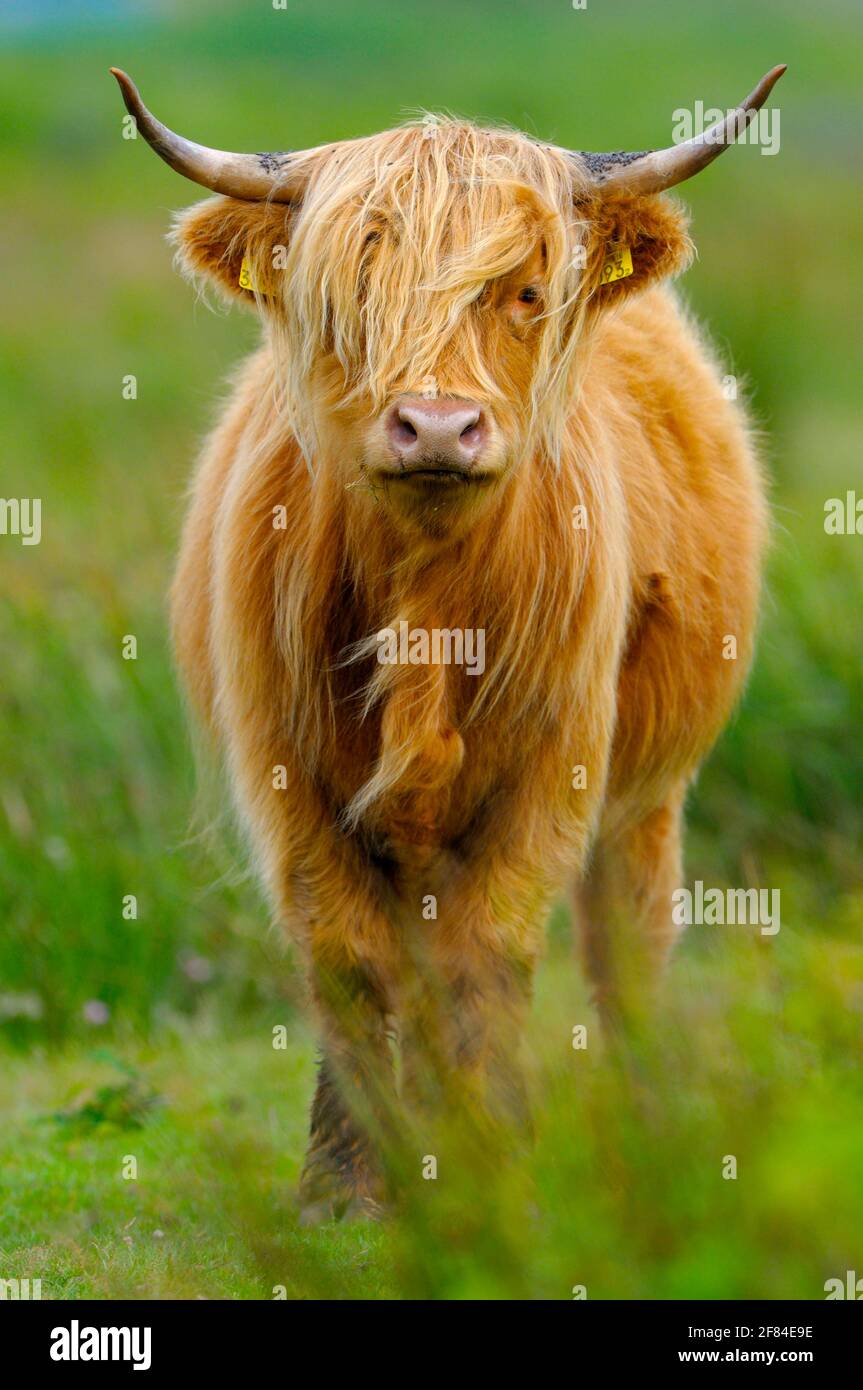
252 176
651 171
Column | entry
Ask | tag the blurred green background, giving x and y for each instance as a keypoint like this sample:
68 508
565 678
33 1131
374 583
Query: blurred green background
152 1036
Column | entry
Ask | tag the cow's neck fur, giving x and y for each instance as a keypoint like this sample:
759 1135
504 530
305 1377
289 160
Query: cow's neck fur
519 574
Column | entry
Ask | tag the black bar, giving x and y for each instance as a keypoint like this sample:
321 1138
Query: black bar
263 1338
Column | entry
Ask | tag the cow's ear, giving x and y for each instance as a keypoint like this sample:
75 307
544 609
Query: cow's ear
635 241
234 244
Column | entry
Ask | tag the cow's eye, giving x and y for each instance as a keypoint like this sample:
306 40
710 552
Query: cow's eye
529 295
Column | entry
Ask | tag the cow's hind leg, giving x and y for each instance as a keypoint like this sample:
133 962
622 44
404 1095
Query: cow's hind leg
623 908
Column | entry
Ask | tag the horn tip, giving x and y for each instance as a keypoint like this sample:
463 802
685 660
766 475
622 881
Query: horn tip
757 98
129 92
126 84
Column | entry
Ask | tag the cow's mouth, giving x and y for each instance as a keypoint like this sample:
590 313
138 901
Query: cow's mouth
438 475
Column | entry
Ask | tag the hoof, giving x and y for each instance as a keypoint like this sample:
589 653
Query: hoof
339 1206
315 1213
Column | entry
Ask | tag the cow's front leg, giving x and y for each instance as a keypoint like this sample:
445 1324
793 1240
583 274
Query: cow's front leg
489 999
333 901
463 1083
354 1094
471 977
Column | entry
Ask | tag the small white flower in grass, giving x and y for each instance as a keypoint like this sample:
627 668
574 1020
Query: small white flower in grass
198 969
96 1013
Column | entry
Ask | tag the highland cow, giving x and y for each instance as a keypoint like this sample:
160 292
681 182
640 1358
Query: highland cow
477 408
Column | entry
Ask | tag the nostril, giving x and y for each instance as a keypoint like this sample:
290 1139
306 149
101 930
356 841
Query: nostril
402 431
473 434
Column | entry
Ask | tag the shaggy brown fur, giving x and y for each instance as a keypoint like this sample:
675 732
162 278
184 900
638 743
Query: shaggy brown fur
402 271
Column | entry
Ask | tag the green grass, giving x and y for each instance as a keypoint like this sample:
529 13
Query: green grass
623 1191
753 1056
208 1213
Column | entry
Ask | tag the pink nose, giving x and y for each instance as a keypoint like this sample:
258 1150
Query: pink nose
436 433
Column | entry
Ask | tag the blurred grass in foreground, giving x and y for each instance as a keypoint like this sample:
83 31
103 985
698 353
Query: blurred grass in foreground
623 1192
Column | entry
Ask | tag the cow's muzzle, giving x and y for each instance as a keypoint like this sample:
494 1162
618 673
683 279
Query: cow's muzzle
436 440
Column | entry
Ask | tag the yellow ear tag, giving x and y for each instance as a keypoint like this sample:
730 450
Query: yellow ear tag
245 281
617 264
